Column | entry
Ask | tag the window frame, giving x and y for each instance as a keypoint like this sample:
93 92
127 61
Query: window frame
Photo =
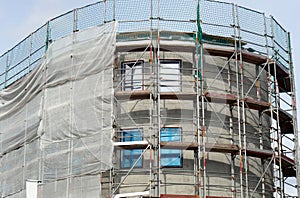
122 163
164 61
123 74
179 150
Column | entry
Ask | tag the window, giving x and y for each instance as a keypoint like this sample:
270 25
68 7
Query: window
170 75
132 75
129 157
171 157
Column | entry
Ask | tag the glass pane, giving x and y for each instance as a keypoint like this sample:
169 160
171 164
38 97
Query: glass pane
171 157
132 135
132 76
170 76
129 157
137 73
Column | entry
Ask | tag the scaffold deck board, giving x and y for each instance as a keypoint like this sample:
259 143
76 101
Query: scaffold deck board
213 50
132 145
285 121
210 96
133 95
287 162
257 59
221 97
256 104
177 196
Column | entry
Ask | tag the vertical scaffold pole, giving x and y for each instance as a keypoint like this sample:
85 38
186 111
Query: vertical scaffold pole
43 107
6 70
25 145
278 132
158 102
197 86
198 121
243 110
233 156
155 105
75 20
242 103
30 53
104 11
231 132
276 103
203 128
199 82
294 105
152 132
47 36
270 96
261 113
238 105
114 10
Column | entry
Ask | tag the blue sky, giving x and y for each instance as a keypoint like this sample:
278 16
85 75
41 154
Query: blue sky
19 18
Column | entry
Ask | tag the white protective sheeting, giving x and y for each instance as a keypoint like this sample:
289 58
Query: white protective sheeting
31 189
81 187
56 122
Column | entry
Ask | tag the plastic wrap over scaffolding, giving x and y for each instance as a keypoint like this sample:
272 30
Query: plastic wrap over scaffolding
56 122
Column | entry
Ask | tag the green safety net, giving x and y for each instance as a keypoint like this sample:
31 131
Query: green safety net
199 29
198 43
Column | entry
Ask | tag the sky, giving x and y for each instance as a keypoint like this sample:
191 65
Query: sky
19 18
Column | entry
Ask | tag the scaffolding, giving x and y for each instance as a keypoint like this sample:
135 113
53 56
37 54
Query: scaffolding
230 91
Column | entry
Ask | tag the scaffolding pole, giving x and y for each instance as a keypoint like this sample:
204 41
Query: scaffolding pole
236 42
203 128
294 106
261 113
231 125
155 107
198 98
231 132
242 103
277 150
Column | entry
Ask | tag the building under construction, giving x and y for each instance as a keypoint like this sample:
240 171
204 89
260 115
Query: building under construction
156 98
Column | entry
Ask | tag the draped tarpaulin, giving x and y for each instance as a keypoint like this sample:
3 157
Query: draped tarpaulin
56 122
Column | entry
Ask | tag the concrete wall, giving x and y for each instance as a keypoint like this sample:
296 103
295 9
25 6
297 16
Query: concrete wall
182 113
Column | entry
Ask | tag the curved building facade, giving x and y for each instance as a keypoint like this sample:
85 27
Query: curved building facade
150 99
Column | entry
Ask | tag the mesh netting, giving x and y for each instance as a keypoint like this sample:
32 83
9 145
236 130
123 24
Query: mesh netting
87 17
55 25
253 29
217 18
280 43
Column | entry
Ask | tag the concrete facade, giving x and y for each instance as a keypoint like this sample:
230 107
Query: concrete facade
221 120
